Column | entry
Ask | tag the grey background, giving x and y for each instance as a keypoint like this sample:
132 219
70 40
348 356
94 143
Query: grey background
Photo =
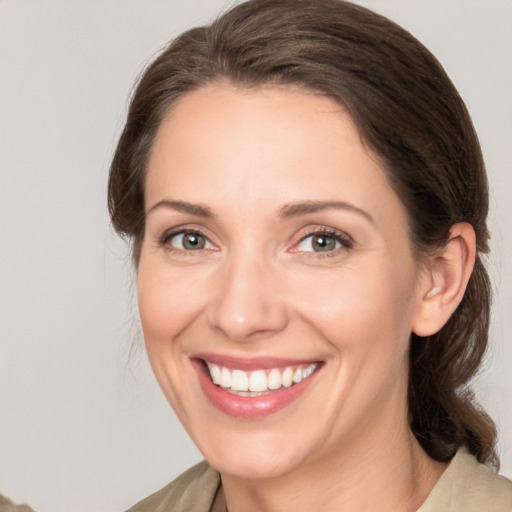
83 429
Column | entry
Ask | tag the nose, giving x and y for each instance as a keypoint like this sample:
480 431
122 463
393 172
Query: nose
246 304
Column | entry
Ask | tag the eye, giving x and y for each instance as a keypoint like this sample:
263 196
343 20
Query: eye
323 242
187 241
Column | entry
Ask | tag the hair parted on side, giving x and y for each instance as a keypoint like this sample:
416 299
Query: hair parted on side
407 111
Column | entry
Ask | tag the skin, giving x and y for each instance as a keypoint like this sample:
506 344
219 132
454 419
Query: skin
258 288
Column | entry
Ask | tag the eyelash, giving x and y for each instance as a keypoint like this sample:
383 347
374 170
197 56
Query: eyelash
165 239
344 240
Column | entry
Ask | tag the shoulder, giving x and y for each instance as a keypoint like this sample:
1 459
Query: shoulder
193 491
468 486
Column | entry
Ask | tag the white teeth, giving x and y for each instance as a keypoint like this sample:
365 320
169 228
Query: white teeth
239 381
225 378
308 371
259 381
274 379
287 377
215 373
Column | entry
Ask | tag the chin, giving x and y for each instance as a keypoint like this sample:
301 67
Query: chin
256 455
260 468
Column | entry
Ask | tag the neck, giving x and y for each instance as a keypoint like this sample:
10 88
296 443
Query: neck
379 469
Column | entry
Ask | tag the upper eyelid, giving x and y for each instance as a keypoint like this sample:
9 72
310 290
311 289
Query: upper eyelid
324 230
169 234
185 228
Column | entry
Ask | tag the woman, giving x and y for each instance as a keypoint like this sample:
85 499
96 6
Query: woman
307 202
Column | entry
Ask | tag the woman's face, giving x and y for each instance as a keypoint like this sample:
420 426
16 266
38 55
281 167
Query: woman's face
276 254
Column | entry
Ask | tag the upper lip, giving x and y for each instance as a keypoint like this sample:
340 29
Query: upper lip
251 363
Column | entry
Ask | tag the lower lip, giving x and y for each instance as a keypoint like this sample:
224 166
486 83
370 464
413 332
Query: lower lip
245 407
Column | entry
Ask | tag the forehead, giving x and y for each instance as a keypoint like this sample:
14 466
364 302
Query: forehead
271 122
268 146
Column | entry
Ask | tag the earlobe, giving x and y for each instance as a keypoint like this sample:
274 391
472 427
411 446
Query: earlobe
445 282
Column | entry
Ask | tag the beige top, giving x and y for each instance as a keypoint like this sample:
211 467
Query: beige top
465 486
468 486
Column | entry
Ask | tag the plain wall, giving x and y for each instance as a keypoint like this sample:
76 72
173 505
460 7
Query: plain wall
82 429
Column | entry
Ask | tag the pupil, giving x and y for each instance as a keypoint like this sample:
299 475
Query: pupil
324 243
192 241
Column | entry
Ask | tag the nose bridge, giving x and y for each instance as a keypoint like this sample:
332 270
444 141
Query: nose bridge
247 302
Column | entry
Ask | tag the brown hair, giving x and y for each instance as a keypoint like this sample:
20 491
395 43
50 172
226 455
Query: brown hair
407 110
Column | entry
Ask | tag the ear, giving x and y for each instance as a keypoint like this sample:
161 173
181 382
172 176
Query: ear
446 276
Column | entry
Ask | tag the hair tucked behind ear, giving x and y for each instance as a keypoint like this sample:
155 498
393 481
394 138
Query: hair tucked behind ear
407 110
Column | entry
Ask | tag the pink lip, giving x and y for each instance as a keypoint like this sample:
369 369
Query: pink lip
251 363
250 408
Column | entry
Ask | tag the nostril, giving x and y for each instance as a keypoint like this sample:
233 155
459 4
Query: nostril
249 321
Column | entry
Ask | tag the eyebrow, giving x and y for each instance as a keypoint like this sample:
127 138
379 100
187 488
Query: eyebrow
307 207
184 207
287 211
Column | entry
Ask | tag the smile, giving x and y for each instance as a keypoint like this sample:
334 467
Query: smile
258 382
253 388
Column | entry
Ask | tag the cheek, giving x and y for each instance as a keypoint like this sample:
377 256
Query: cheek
155 304
361 308
166 301
167 306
